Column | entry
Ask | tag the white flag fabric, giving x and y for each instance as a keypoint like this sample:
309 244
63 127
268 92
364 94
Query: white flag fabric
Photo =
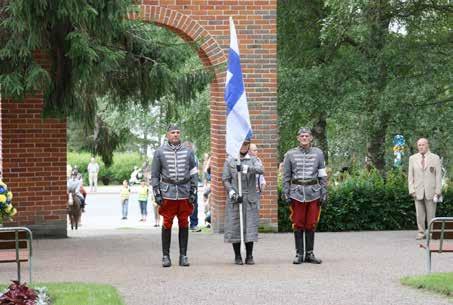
238 126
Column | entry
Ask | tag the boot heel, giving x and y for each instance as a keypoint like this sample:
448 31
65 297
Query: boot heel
166 262
184 261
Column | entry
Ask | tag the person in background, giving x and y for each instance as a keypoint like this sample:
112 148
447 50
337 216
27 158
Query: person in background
74 185
143 192
134 176
146 170
68 171
425 184
93 170
207 189
155 209
260 180
124 197
194 217
84 194
207 205
206 169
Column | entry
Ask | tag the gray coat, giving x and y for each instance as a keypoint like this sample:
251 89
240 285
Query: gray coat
250 205
174 172
304 165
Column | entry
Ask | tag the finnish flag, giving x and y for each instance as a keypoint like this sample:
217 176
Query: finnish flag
238 126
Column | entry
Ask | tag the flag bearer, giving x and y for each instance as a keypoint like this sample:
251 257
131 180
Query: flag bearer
249 167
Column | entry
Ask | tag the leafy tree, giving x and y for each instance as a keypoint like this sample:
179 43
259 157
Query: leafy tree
95 52
371 68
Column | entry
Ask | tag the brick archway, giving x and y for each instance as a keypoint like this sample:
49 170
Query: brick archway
35 165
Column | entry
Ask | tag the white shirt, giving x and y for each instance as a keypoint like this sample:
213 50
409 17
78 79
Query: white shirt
93 167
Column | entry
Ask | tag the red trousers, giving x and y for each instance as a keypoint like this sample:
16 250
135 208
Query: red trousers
179 208
305 215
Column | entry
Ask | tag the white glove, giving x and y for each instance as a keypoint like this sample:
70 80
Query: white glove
232 194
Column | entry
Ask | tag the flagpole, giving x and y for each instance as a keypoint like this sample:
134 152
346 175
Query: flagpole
238 124
241 216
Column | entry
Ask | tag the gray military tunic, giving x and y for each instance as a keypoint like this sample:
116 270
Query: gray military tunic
250 205
174 172
304 165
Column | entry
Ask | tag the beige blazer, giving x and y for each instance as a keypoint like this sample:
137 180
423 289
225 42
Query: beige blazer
424 182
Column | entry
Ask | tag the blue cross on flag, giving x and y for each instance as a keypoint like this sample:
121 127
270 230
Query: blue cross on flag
238 126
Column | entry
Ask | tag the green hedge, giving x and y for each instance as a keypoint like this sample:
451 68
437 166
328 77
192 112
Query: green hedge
123 164
366 201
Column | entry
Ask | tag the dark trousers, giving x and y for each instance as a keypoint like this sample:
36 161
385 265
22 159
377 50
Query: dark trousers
143 207
194 216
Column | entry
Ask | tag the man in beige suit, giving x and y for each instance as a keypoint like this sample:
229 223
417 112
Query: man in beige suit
424 179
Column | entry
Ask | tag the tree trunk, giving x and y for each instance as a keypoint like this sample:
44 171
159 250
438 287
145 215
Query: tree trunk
376 147
378 24
320 134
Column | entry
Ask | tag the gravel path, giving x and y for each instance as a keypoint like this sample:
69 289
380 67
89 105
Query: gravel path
359 268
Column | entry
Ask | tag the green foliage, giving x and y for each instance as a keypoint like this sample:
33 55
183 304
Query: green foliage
367 201
121 168
196 125
95 53
368 70
139 126
76 33
437 282
80 160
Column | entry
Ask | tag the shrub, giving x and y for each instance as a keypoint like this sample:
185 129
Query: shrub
367 201
123 164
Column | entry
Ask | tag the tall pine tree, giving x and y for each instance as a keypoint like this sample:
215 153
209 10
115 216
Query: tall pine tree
95 51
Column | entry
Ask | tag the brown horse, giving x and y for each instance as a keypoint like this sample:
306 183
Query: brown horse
74 210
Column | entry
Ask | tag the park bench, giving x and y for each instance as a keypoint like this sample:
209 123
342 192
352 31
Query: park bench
439 238
16 247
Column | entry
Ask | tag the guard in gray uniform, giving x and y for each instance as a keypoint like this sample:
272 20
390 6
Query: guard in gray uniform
249 166
174 177
305 190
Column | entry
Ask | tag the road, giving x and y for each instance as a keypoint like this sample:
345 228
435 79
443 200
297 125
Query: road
103 211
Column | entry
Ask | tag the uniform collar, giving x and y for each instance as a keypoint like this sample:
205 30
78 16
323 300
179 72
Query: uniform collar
304 150
174 147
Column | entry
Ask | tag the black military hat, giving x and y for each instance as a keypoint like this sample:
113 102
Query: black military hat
172 127
304 130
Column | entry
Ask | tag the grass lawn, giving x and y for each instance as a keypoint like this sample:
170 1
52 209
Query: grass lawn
438 282
80 293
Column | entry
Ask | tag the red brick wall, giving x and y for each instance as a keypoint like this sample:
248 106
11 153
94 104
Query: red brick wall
34 165
208 23
33 162
33 150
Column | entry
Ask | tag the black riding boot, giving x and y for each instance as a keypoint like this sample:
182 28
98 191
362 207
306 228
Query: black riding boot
299 241
166 240
249 253
309 243
237 254
183 240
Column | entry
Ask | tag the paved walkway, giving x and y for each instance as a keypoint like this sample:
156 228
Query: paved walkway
359 268
103 210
